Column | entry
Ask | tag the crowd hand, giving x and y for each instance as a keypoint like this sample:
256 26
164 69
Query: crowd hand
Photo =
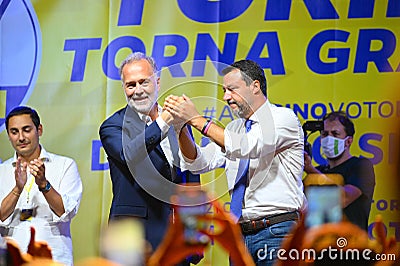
181 108
296 240
17 258
166 253
227 233
37 170
20 174
389 245
37 250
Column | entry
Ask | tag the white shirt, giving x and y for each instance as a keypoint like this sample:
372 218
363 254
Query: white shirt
63 175
275 146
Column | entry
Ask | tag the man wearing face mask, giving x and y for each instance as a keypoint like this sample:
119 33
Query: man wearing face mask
358 172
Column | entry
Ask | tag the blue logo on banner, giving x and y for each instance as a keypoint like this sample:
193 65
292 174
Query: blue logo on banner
20 53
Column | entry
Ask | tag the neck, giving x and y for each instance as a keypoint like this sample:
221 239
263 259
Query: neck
339 160
30 157
259 101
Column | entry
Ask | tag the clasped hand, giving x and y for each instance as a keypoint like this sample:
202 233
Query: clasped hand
181 109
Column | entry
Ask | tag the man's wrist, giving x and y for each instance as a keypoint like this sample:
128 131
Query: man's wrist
45 188
198 122
18 190
164 127
167 117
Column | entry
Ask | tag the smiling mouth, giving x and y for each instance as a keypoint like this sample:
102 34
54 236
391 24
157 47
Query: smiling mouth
139 99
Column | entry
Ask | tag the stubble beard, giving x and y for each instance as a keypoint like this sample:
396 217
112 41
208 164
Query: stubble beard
242 110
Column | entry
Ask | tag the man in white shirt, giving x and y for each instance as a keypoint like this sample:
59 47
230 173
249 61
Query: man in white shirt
38 189
273 145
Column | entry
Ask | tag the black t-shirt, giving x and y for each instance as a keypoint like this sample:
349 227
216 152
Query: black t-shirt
358 172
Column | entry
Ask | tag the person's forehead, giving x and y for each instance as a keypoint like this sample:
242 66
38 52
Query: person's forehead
138 68
233 77
333 125
20 121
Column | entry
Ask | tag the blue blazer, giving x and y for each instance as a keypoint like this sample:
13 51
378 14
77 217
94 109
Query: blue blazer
139 171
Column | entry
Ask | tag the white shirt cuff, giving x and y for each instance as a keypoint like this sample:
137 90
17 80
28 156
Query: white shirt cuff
162 125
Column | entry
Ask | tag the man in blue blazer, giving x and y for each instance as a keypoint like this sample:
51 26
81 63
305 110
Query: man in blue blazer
142 151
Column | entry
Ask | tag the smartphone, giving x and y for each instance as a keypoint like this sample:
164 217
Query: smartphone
324 205
190 205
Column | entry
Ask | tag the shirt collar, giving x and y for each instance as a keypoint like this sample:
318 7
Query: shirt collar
145 118
257 115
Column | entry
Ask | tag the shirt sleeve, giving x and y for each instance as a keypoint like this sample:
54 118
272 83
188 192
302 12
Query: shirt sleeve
289 130
70 189
208 158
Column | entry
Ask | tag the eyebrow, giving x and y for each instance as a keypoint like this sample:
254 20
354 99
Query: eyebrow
333 131
229 87
137 81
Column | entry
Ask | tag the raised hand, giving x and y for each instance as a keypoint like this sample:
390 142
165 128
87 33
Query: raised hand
38 248
38 251
181 108
37 170
20 174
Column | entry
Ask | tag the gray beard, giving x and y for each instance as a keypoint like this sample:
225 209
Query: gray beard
143 109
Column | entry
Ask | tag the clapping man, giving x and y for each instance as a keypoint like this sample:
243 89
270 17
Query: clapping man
38 189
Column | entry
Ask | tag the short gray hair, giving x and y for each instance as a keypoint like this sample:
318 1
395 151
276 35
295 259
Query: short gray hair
137 56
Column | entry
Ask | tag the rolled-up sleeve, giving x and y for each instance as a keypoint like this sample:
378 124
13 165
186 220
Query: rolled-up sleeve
70 188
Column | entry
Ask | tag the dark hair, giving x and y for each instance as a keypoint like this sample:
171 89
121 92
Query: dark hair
250 71
24 110
343 119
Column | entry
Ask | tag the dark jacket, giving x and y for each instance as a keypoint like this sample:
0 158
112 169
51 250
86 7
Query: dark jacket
140 175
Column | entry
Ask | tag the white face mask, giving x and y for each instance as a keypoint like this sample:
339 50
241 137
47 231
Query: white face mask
332 147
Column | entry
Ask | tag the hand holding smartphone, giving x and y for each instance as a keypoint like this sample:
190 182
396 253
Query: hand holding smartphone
192 203
324 196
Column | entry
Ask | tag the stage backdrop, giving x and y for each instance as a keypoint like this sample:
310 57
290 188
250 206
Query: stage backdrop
61 57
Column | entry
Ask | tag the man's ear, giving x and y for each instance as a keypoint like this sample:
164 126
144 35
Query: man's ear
256 88
349 141
158 83
40 130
